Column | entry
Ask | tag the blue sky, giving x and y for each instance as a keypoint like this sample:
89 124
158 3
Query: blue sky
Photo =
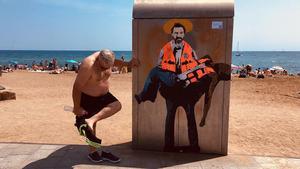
94 24
267 25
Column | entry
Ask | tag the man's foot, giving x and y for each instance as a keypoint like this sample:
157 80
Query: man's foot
191 149
138 98
107 156
183 149
86 131
202 123
95 157
188 149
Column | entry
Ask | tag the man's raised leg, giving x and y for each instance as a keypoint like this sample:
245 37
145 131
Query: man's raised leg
152 83
107 111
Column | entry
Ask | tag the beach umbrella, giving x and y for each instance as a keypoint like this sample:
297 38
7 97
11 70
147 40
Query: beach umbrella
72 61
235 67
13 62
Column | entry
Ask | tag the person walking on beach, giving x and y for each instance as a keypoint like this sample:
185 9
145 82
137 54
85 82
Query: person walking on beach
93 102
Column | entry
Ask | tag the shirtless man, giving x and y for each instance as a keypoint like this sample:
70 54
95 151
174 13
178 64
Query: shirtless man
93 101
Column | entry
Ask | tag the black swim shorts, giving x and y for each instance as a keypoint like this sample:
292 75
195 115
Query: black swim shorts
93 104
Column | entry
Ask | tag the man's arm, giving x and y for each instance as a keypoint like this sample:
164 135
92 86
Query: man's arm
205 58
195 55
160 57
107 74
83 76
208 97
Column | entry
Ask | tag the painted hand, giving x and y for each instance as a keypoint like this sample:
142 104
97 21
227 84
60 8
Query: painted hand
134 61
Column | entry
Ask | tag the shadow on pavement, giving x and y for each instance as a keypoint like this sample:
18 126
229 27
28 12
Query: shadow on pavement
76 155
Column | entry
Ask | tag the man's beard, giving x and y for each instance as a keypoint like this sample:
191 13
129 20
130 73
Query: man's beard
178 40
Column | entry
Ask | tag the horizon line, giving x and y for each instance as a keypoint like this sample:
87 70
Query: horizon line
131 50
56 50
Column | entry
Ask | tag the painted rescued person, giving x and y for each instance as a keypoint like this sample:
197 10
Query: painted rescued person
93 102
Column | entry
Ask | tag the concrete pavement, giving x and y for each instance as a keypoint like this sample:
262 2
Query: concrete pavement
42 156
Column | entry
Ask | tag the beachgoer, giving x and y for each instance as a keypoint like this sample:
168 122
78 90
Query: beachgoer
41 63
123 58
33 64
260 74
248 68
45 65
66 68
93 101
123 68
78 67
73 68
55 64
50 66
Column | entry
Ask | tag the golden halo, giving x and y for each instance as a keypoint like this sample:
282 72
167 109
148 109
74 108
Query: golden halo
185 22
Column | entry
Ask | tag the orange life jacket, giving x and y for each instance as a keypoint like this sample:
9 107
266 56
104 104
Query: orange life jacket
186 60
198 74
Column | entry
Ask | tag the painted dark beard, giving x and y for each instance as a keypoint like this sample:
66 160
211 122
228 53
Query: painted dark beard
178 40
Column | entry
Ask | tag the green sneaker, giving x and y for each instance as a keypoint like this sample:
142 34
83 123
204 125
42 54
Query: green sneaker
86 131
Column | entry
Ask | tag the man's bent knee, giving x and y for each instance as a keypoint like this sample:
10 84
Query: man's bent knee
116 106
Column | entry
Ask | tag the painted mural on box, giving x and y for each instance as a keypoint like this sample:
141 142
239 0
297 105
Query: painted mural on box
182 77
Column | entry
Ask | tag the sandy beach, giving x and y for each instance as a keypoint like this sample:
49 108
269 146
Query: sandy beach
264 113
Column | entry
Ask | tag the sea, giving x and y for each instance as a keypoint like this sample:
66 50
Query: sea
289 60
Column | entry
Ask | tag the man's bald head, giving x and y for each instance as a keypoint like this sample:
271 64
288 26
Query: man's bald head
107 56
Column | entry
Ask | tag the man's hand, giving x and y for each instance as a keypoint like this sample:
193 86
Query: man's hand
80 112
